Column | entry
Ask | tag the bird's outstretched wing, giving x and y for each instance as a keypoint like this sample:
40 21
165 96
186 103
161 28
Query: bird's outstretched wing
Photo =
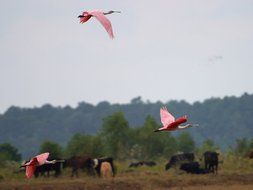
104 21
166 117
30 169
42 158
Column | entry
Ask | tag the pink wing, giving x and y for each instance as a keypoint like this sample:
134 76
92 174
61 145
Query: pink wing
104 21
30 169
42 158
166 117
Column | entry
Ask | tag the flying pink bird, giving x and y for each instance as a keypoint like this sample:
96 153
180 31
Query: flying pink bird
101 17
34 162
170 123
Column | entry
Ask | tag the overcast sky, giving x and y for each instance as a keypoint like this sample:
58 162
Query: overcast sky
163 50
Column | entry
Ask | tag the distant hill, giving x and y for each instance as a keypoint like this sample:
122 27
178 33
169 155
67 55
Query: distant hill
222 120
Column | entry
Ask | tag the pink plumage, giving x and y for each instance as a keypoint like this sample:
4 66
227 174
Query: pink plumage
101 18
34 162
42 158
169 122
166 117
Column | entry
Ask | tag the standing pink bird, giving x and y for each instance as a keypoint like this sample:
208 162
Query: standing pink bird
170 123
34 162
101 17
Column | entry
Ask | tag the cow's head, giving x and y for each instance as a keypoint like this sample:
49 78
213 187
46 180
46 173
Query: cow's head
95 162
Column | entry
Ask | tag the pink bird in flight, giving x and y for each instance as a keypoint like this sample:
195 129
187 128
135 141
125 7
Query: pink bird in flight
36 161
100 15
170 123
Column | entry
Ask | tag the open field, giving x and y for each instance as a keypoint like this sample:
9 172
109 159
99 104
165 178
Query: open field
140 178
136 180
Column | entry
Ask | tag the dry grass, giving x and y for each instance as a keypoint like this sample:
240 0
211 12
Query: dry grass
234 173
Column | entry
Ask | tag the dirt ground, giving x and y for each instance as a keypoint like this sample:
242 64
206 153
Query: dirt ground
137 180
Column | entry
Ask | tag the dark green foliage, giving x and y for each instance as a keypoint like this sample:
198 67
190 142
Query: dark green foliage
243 147
153 145
186 142
221 120
8 153
115 135
53 148
84 145
208 145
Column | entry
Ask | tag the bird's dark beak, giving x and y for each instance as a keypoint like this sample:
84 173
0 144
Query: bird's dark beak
80 16
156 130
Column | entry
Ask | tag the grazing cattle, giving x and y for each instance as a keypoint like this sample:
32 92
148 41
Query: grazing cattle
97 164
211 161
141 163
80 162
47 168
193 168
189 157
106 170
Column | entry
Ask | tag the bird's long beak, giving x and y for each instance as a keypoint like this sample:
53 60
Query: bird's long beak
157 130
80 16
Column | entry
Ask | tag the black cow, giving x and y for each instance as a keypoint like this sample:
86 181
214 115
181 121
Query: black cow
97 164
193 168
80 162
211 161
149 163
47 168
141 163
189 157
135 164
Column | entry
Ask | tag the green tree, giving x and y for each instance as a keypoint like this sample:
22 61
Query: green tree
9 152
115 135
152 144
208 145
53 148
242 147
84 145
251 145
186 142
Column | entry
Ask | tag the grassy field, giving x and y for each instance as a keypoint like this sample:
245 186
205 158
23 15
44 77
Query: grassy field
234 173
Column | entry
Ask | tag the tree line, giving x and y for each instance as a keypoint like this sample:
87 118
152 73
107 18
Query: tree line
224 120
117 139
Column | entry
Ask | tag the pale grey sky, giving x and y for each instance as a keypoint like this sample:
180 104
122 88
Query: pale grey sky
161 51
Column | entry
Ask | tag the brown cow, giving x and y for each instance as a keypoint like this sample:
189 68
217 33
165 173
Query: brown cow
80 162
106 170
98 161
250 155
